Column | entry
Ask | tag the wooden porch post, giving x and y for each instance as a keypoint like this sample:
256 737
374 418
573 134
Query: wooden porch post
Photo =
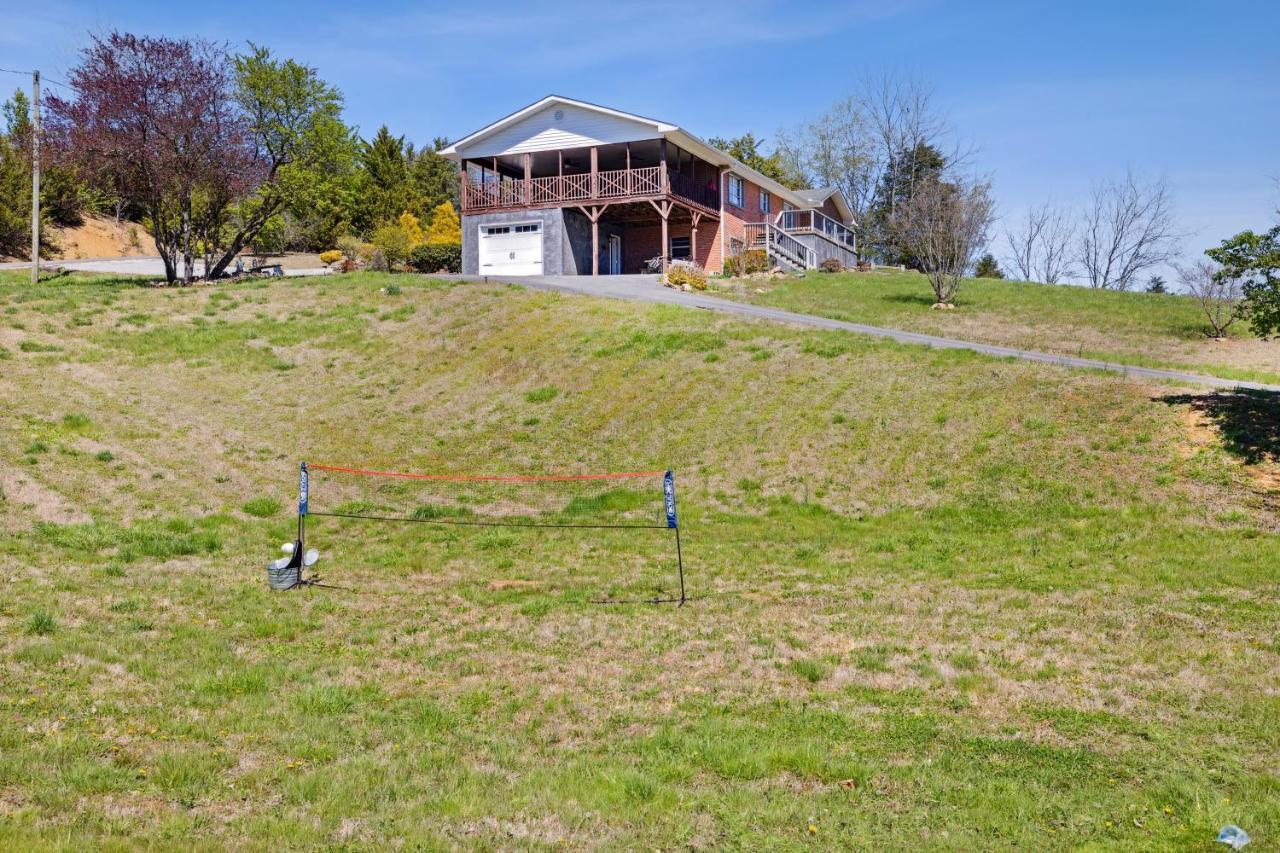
630 187
595 169
528 177
594 213
662 174
462 185
693 235
664 211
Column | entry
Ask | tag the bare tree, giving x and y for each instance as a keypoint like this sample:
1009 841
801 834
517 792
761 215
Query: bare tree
1127 228
867 145
1218 295
1041 246
943 225
837 149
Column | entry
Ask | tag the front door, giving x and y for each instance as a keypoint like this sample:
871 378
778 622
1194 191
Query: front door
615 255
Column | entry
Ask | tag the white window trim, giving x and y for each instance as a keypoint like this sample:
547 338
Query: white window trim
766 204
742 191
510 226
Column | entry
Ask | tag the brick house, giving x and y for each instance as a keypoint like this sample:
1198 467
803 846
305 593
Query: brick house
564 187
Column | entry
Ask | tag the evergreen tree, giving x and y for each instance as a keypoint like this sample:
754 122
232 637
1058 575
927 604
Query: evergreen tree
435 179
384 188
987 267
1156 284
908 170
746 149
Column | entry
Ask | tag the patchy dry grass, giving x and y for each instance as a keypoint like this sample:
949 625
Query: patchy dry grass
1143 329
942 601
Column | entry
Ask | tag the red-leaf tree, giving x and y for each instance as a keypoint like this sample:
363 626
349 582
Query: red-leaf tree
156 119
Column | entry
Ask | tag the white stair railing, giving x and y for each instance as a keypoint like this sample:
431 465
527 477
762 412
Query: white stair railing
780 245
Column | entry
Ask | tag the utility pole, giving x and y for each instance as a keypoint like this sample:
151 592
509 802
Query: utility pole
35 176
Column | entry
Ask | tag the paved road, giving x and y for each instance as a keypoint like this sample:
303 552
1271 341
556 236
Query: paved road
132 266
645 288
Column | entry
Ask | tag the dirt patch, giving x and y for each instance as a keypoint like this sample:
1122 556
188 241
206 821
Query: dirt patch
22 494
103 237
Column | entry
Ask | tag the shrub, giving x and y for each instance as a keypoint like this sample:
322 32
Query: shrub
330 256
755 260
687 275
747 262
377 262
437 257
831 265
445 228
412 229
349 247
394 242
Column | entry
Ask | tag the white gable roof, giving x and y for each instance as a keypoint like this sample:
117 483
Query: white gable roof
553 123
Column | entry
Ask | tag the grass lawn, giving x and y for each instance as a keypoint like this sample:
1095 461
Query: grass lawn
1150 330
941 600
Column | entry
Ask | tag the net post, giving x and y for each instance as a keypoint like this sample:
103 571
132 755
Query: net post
304 493
673 522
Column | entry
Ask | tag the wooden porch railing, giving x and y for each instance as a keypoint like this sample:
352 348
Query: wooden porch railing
816 220
615 184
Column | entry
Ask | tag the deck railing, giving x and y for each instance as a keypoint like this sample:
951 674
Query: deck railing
816 221
493 192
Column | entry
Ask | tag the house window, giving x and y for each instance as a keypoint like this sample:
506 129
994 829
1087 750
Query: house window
765 202
735 191
680 249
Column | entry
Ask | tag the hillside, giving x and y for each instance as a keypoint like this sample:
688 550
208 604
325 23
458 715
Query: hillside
103 237
1151 330
939 600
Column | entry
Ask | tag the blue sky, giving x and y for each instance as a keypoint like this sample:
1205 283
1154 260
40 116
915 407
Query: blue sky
1056 96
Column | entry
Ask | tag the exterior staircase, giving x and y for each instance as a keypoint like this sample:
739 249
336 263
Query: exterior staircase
799 240
785 250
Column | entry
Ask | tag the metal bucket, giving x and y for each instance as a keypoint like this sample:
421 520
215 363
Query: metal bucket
282 575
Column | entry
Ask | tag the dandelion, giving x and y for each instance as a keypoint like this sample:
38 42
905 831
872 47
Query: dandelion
813 830
1168 809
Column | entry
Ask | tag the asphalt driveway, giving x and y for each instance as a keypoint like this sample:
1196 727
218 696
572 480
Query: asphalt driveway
645 288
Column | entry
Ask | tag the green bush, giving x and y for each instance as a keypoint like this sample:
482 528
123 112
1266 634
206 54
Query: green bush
437 257
394 243
680 275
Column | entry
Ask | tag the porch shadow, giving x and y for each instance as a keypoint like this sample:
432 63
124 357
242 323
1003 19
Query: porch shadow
1248 420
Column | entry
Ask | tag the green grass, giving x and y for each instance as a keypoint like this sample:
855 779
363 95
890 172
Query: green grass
1140 329
940 600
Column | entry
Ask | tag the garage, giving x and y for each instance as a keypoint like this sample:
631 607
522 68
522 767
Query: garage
511 249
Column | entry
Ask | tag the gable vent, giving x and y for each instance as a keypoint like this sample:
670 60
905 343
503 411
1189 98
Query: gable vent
559 115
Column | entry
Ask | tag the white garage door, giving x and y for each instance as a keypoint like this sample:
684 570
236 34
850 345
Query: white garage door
514 249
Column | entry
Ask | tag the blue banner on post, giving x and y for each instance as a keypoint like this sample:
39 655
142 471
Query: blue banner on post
669 494
303 489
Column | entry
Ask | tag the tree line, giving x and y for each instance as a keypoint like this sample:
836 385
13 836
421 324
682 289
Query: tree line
214 151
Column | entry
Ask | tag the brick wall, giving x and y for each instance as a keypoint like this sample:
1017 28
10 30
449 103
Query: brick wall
736 217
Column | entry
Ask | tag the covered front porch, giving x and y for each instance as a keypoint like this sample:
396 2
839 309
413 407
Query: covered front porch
619 172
